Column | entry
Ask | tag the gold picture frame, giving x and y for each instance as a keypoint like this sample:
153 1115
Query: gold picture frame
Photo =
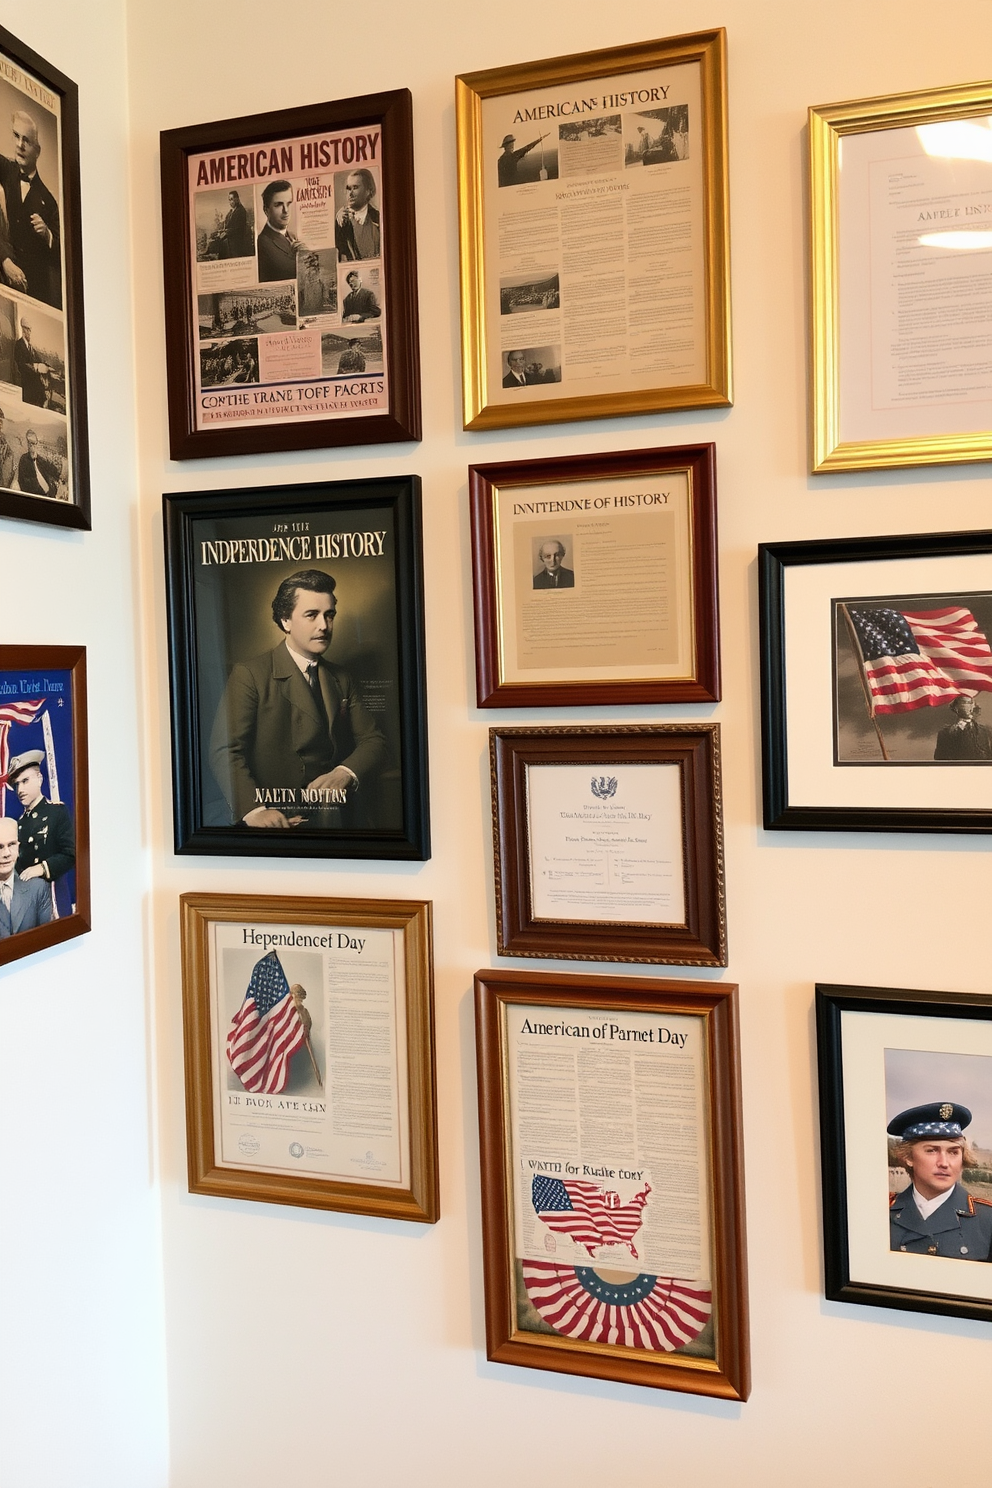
611 141
294 1134
882 425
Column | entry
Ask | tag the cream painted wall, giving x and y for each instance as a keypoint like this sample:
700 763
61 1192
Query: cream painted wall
317 1349
82 1358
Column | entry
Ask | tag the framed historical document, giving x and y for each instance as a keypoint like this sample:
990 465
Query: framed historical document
609 843
296 634
906 1145
44 450
44 800
875 658
596 579
291 279
309 1040
593 213
612 1179
900 234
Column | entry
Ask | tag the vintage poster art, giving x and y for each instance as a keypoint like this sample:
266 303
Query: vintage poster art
594 247
292 242
906 1141
298 687
309 1052
44 824
44 473
608 1192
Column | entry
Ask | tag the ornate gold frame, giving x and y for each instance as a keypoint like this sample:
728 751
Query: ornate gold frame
708 48
827 125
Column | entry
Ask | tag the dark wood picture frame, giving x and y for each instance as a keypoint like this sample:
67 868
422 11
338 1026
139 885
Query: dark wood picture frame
775 560
278 507
74 509
695 747
419 1200
831 1003
392 113
698 461
727 1374
46 661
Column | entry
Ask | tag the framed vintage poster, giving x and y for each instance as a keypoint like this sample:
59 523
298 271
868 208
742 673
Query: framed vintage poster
906 1148
875 658
44 449
309 1040
609 843
296 635
613 1179
44 799
291 279
594 225
596 579
900 233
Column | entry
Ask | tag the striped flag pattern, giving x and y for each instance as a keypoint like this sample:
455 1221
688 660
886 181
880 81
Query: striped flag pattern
13 712
921 658
589 1215
649 1312
266 1031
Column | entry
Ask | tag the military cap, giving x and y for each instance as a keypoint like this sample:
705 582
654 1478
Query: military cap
22 761
942 1121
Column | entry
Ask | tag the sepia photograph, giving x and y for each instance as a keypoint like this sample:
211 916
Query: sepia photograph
246 312
223 363
552 562
352 352
225 225
316 284
357 213
529 366
524 292
522 162
657 136
360 293
590 145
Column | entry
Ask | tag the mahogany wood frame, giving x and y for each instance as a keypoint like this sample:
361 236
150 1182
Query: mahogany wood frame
699 463
727 1375
695 747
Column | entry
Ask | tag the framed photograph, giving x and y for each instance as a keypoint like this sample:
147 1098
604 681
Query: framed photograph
44 800
899 243
906 1148
594 226
309 1039
875 661
596 579
291 279
296 639
44 449
613 1179
609 843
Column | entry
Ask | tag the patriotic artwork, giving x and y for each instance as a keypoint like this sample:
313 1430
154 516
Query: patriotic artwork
266 1031
647 1312
588 1214
36 720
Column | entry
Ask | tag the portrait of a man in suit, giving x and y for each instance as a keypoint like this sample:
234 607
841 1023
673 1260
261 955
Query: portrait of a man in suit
24 903
356 224
292 741
36 474
552 575
31 238
277 245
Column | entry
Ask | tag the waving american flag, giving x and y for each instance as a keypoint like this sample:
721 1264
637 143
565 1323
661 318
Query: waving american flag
920 658
266 1031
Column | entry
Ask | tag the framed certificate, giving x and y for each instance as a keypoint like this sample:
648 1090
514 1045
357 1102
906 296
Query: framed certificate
609 843
596 579
593 212
612 1179
900 236
309 1043
906 1148
291 279
876 671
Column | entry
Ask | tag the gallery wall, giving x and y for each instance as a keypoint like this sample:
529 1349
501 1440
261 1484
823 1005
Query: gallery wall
326 1349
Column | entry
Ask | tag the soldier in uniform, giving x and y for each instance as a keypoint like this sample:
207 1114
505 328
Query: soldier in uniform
46 842
936 1215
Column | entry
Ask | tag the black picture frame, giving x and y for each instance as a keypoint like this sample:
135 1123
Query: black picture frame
832 1002
328 524
53 404
921 807
390 115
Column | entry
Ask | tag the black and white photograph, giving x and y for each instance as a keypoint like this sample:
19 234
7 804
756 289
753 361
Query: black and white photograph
528 366
354 351
225 224
520 293
36 355
552 562
359 293
316 284
223 363
911 673
253 311
590 145
656 136
358 213
299 727
522 161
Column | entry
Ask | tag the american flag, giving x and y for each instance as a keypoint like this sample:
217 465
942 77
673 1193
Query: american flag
921 658
648 1312
266 1030
15 712
589 1215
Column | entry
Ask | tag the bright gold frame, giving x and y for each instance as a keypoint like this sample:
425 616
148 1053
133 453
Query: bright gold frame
708 48
827 125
